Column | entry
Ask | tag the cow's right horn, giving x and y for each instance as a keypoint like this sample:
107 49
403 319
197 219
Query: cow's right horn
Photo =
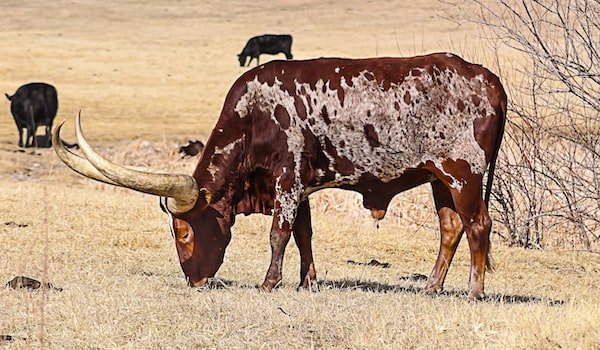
183 189
75 162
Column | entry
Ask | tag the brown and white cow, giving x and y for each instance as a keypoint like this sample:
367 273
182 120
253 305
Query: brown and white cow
377 126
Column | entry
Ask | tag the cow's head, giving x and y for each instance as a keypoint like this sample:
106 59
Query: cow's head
200 232
242 59
200 238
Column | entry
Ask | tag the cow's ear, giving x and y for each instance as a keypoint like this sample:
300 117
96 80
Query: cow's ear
204 197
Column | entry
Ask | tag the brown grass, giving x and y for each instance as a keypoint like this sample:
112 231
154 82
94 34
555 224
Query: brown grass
150 76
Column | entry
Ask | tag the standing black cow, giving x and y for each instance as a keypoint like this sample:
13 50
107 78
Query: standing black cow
32 105
268 43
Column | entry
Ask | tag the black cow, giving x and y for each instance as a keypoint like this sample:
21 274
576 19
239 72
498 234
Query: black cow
32 105
268 43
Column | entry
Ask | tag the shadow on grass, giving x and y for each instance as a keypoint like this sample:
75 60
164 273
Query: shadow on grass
376 287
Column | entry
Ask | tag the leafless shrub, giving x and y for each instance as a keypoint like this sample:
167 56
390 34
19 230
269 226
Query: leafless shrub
547 185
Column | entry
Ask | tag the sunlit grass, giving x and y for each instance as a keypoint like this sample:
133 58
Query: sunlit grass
148 77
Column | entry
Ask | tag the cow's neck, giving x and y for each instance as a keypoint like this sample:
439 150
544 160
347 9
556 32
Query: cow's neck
220 168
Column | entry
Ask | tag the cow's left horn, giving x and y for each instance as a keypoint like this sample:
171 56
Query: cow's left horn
182 188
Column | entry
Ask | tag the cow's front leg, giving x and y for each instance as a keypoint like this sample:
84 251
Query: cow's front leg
287 200
280 236
303 235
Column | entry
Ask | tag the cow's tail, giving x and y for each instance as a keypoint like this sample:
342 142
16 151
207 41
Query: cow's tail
33 140
492 167
8 96
489 264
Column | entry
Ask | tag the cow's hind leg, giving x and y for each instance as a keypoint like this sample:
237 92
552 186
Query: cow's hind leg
477 224
477 227
451 230
21 135
30 139
48 137
302 236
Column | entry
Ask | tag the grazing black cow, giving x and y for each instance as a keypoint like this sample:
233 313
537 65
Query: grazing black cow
268 43
32 105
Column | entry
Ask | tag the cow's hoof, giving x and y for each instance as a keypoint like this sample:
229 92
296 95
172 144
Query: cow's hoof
432 290
475 296
308 285
269 285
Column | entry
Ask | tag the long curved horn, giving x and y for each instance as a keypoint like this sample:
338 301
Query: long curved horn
182 188
75 162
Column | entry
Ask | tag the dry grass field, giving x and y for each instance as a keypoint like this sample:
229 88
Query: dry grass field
150 75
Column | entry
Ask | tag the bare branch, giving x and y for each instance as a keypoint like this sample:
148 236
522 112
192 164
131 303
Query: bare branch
547 189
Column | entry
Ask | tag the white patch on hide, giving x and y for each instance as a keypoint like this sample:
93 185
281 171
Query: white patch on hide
456 184
212 169
288 201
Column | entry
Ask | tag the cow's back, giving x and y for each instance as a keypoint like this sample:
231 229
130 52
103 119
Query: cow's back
274 44
378 116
